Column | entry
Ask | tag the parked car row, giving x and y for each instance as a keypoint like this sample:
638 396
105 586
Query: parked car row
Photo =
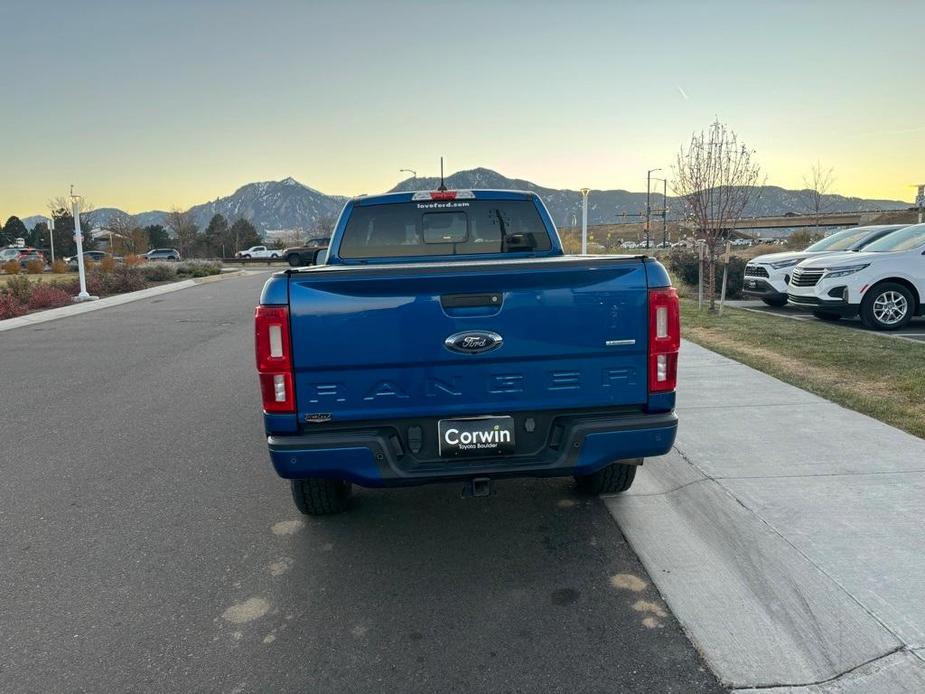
26 254
874 272
23 255
296 256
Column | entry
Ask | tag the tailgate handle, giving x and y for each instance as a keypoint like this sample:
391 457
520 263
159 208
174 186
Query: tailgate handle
470 300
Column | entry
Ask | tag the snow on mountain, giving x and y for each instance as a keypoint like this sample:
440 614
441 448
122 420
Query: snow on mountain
289 204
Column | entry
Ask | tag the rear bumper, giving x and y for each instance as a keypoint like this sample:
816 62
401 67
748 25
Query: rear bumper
369 457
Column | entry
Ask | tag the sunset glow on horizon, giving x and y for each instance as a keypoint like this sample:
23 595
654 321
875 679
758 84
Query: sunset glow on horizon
172 104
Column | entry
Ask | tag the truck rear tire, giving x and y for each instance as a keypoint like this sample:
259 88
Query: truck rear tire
613 479
295 260
320 497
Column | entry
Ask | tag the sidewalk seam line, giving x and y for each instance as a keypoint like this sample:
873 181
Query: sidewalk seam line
822 474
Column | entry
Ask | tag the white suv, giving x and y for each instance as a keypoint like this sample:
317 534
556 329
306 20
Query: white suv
767 276
885 283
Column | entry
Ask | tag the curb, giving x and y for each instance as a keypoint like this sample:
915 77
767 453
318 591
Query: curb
117 300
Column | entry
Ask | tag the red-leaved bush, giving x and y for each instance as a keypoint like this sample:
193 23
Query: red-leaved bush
48 296
10 306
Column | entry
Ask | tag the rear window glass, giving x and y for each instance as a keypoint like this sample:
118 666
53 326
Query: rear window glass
458 227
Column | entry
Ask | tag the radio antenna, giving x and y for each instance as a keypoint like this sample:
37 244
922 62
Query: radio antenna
442 184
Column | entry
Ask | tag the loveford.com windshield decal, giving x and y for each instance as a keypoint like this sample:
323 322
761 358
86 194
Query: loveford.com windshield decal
440 205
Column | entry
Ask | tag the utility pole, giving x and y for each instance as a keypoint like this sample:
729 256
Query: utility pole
648 201
920 200
664 213
584 220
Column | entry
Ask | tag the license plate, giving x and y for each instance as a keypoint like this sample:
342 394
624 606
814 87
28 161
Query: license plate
476 436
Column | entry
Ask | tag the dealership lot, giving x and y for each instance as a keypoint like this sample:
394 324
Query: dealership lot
148 546
914 331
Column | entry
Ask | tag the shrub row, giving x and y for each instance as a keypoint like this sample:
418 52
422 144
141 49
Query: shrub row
103 279
683 266
22 296
161 272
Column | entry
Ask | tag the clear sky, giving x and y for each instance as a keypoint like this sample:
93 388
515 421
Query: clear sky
149 105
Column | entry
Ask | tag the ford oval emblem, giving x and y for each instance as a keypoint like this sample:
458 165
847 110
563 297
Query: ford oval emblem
474 341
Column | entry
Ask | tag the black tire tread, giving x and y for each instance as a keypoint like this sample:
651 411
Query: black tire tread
320 497
827 316
776 303
613 479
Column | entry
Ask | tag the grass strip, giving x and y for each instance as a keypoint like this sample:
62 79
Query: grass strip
879 376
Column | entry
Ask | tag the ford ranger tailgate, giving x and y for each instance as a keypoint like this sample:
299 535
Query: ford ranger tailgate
475 338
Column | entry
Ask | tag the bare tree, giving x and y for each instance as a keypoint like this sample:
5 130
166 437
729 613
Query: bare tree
818 184
126 233
716 179
323 226
184 229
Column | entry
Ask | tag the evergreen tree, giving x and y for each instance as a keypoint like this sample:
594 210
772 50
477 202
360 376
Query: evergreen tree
39 236
217 241
14 229
64 232
244 235
157 236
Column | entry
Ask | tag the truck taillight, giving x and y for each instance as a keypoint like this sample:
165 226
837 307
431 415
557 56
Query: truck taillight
274 358
664 339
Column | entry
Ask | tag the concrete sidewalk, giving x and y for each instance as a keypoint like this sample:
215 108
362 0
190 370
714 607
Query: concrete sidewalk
786 534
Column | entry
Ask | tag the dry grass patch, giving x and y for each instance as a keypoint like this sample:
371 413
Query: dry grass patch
873 374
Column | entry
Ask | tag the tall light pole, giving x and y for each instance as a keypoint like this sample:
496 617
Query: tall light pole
51 237
78 239
414 174
648 203
584 220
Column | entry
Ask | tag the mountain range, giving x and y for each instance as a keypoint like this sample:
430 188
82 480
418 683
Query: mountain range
288 204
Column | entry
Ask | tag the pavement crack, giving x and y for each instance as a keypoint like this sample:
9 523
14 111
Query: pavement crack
667 491
829 680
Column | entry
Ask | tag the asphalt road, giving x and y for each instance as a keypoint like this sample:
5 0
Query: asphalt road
914 331
147 546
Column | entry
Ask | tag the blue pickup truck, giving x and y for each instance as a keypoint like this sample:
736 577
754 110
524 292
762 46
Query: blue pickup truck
446 336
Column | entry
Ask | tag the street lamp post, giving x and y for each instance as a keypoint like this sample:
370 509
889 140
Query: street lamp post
584 220
75 210
51 238
414 174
